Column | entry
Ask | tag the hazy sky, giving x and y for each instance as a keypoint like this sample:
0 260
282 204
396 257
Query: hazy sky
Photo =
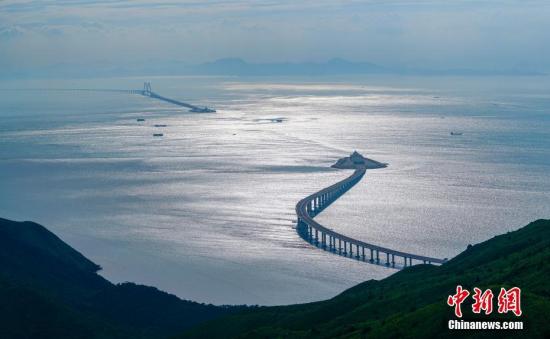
480 34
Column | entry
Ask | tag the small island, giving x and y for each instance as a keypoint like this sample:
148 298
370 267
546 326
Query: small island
356 160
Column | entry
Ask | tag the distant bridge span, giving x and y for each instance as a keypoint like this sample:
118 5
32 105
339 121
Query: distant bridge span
325 238
149 93
146 91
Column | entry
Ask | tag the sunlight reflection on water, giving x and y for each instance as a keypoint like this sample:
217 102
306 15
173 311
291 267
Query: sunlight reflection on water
207 210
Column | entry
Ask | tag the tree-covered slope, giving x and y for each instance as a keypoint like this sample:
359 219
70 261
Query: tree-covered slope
412 302
49 290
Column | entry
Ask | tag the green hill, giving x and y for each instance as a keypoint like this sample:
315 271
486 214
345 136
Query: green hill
412 302
49 290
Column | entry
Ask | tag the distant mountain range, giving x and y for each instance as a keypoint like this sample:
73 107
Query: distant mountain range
236 66
240 67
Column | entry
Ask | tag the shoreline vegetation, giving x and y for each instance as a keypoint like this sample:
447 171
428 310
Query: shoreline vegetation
412 302
50 290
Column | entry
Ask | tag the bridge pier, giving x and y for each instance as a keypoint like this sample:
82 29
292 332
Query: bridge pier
387 259
363 250
316 237
357 251
371 256
377 256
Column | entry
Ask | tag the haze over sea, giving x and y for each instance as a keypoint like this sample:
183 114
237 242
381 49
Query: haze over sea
207 211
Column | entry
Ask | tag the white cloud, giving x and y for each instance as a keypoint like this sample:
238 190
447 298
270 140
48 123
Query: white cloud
409 33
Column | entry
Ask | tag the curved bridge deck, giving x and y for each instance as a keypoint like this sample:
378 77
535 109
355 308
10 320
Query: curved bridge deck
325 238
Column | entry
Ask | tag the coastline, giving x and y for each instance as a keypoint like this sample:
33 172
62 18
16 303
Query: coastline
69 298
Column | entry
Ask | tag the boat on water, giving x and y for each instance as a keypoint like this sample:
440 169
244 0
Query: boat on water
456 133
160 125
140 119
158 134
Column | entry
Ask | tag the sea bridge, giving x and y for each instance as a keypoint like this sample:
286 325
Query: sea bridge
329 240
147 91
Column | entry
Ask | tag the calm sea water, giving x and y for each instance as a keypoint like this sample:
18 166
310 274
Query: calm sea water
207 211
